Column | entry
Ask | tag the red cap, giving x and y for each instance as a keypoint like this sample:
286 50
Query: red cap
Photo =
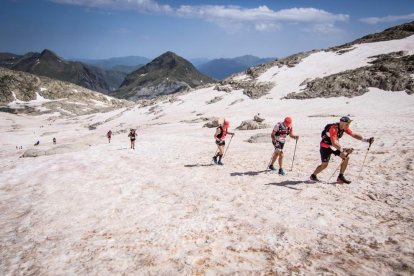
226 123
288 121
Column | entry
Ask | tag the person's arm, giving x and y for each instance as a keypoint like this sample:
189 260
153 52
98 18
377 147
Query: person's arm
296 137
359 137
273 135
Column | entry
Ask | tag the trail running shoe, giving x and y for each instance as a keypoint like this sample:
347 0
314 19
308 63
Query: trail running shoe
281 172
341 180
271 167
314 178
220 163
215 159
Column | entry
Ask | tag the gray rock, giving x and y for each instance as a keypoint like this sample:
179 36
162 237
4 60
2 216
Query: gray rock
214 100
260 138
251 125
213 123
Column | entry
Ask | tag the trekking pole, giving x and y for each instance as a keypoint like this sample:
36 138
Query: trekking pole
291 168
335 170
338 167
228 146
365 158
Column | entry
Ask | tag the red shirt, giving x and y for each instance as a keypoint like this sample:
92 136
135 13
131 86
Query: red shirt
333 134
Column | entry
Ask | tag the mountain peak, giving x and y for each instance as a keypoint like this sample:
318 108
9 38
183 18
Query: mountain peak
48 55
166 74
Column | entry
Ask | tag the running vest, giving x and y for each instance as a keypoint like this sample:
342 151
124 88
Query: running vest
326 138
282 131
222 134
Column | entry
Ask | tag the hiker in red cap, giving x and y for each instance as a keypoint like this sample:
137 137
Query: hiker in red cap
220 136
330 138
280 131
109 135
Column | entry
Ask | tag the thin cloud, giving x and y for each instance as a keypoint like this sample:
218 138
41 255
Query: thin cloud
228 17
262 13
387 19
139 5
261 18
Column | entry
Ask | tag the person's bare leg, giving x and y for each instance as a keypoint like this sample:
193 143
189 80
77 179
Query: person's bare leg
344 164
320 168
275 156
280 159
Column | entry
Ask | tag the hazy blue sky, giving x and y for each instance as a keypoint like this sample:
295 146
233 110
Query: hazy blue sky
201 28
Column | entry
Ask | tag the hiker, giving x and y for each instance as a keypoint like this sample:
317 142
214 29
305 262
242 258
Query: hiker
280 131
132 136
220 136
54 141
109 135
330 138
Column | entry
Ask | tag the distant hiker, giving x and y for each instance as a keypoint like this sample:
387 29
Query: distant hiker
280 131
220 136
37 143
109 135
54 140
132 136
330 138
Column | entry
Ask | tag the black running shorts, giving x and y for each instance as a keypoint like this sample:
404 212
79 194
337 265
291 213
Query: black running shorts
326 153
220 143
278 145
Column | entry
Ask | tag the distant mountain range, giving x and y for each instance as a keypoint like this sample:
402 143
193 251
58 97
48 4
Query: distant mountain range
217 68
167 74
225 67
123 64
170 73
49 64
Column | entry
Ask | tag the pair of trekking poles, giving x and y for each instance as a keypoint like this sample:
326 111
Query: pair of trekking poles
362 167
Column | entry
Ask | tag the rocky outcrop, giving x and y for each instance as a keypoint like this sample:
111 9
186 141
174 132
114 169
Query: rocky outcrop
251 88
390 72
248 82
260 138
397 32
18 89
214 122
251 125
214 100
258 118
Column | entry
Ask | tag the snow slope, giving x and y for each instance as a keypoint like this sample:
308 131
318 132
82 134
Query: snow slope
164 209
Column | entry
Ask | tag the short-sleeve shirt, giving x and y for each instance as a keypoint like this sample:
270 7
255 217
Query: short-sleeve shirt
282 131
